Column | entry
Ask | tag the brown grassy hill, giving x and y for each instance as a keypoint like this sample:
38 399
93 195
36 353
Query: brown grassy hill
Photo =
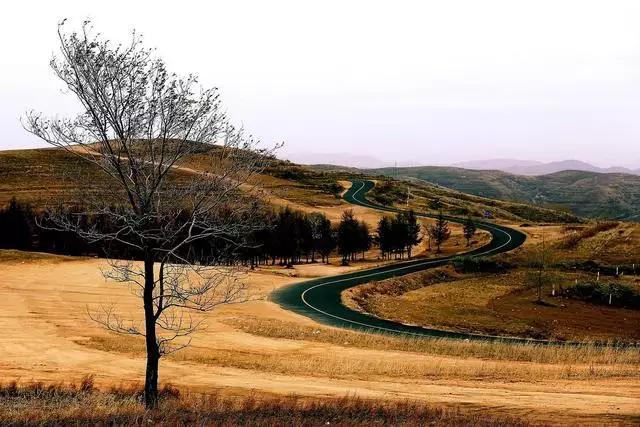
49 176
42 176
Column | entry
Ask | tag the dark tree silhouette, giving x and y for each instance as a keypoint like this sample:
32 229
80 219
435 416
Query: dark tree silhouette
385 237
439 232
16 226
412 237
350 236
399 234
139 124
469 230
363 238
323 237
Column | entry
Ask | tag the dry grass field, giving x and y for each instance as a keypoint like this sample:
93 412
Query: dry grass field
255 363
496 304
505 304
257 347
82 404
51 176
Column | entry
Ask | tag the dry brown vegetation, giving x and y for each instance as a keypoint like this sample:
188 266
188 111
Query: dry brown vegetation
37 177
260 346
575 235
403 357
50 176
497 304
83 404
505 304
610 242
568 355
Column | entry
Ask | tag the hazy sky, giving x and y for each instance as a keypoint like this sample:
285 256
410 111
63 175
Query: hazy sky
425 82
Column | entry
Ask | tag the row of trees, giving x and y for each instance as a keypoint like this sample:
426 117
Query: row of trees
398 235
353 237
19 230
285 237
288 237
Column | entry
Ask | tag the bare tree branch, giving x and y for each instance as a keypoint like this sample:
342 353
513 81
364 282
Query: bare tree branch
178 189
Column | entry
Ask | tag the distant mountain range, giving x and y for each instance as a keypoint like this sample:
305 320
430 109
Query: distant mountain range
361 161
533 168
512 166
342 159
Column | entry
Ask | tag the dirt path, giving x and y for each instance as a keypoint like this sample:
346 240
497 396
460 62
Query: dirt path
45 322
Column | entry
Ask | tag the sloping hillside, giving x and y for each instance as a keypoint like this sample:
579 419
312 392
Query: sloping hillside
50 176
426 197
41 177
587 194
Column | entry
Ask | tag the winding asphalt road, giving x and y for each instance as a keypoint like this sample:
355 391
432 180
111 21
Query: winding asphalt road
320 300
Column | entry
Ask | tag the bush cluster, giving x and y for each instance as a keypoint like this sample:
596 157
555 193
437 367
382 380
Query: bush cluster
470 264
386 193
399 234
621 295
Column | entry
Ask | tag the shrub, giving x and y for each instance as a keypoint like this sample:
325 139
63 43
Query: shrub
604 269
469 264
599 293
387 193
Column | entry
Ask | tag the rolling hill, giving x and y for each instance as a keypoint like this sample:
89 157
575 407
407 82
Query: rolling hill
589 194
39 177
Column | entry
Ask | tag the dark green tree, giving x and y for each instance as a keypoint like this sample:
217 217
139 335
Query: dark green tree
412 237
385 236
318 224
439 232
326 240
469 230
348 231
363 238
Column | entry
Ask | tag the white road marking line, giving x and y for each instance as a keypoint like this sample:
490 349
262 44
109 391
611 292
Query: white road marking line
400 269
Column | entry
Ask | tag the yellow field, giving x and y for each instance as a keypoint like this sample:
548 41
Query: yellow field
258 346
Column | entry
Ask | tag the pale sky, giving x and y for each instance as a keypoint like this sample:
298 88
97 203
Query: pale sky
429 82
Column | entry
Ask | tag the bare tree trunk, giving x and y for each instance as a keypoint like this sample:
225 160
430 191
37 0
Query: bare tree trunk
153 353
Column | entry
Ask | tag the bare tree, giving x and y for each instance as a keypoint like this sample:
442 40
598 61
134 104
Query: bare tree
539 259
145 129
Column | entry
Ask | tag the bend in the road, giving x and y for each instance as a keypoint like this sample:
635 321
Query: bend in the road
320 299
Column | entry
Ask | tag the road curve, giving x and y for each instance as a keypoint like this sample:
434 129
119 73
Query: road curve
320 299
